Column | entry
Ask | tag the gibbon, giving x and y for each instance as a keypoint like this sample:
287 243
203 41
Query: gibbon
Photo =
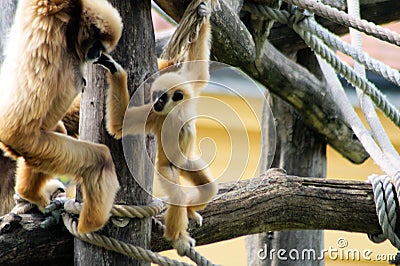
50 42
171 118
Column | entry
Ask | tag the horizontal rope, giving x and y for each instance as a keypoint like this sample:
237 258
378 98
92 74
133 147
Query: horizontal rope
335 42
344 19
118 246
346 71
127 211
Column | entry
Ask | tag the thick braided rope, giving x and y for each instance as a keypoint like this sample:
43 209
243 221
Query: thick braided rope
344 19
70 206
21 205
336 43
367 87
348 73
118 246
396 180
187 31
384 199
368 108
141 212
190 253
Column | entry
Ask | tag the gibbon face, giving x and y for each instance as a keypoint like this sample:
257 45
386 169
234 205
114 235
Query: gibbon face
97 33
167 95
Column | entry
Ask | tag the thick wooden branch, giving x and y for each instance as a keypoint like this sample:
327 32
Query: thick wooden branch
283 202
277 202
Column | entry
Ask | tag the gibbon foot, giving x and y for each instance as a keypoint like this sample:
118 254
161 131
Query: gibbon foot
37 199
195 216
203 10
183 243
52 189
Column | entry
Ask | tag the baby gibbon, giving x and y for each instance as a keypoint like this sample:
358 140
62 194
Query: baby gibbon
50 43
171 117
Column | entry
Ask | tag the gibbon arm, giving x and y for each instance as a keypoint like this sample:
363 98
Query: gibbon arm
194 69
118 101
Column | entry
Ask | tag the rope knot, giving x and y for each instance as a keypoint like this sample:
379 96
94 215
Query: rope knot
384 198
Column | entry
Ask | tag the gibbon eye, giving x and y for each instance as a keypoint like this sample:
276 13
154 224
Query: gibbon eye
178 95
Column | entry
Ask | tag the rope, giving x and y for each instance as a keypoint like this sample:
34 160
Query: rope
344 19
385 208
367 87
147 211
141 212
366 104
118 246
187 30
21 205
300 28
190 253
336 43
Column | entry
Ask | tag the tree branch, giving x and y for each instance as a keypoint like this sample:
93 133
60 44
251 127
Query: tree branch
273 202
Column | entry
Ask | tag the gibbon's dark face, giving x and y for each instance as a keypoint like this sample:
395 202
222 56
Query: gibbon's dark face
161 99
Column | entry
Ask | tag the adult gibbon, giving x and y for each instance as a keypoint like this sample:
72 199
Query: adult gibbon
50 42
171 117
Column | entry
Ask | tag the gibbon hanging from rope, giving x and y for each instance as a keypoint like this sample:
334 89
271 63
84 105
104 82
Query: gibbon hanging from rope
171 118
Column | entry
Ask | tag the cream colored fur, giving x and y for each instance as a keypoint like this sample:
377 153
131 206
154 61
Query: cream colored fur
166 125
40 77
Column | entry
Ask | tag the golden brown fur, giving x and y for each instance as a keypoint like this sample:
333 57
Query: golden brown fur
49 45
174 119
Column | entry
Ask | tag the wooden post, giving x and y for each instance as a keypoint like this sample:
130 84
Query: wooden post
136 54
7 166
299 151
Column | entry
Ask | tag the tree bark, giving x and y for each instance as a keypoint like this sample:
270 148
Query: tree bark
267 203
138 33
7 166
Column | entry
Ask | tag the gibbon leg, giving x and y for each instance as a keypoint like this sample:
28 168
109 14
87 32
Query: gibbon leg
92 164
204 191
30 184
176 220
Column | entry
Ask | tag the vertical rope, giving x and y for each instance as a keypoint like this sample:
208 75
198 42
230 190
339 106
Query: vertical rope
366 104
187 30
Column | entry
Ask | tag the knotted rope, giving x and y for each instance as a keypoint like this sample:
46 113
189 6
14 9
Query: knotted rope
187 30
